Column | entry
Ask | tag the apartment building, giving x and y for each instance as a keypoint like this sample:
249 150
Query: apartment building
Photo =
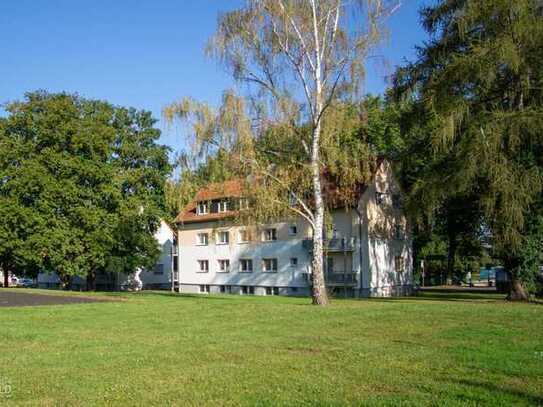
158 277
367 254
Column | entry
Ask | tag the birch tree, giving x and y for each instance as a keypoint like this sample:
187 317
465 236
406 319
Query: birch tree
296 61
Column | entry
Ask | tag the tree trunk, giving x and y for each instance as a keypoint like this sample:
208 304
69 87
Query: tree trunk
517 291
451 254
6 278
91 281
320 297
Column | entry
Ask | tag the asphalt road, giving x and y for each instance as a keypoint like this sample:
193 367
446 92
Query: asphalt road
15 299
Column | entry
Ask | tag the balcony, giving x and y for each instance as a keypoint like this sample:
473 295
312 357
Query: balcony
337 278
345 244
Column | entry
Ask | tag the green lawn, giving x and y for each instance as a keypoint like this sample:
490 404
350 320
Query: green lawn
162 349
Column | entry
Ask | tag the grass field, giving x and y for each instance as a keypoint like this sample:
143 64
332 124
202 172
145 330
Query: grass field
162 349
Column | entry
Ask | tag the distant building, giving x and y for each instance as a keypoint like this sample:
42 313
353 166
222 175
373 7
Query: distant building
157 278
368 254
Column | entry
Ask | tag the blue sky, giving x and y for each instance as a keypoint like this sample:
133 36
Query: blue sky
142 53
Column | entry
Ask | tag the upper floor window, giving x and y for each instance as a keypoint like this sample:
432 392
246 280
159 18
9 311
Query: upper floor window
243 236
269 234
269 265
223 206
246 265
292 230
224 266
203 266
293 261
223 238
202 208
203 239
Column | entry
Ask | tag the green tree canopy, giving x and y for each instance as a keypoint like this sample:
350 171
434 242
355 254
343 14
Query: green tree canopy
81 186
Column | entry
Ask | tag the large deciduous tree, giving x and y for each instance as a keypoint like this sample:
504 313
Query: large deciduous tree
478 81
81 187
301 61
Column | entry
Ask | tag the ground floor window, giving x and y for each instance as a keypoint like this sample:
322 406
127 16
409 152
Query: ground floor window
272 290
246 289
226 289
204 288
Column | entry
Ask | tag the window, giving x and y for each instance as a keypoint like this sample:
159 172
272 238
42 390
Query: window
225 289
243 236
224 266
294 289
269 235
246 265
293 261
223 238
223 206
202 208
251 290
292 230
159 269
243 203
269 265
399 264
204 289
203 239
272 290
247 289
203 266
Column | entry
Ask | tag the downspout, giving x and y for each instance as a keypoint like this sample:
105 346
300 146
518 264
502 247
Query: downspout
360 247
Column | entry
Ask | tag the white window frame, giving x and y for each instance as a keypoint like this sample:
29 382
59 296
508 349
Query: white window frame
202 205
243 203
222 206
293 229
201 262
273 232
204 289
223 233
240 234
226 269
247 270
199 241
273 261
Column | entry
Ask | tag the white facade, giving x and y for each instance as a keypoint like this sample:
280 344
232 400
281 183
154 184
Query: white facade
369 252
157 278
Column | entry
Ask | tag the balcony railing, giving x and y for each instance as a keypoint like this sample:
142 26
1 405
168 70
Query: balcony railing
336 278
345 244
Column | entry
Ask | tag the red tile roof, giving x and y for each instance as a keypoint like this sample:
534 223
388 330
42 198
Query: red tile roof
234 189
227 189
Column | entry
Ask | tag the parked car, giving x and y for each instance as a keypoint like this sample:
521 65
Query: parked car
26 283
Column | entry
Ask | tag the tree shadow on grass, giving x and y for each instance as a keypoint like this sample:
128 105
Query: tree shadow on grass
534 399
441 296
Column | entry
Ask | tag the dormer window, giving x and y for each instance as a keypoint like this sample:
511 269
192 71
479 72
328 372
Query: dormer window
243 203
222 206
202 208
